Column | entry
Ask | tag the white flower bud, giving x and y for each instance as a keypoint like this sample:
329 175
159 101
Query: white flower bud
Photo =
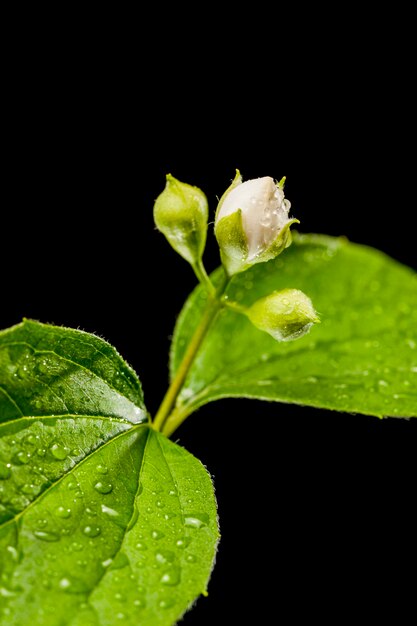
252 223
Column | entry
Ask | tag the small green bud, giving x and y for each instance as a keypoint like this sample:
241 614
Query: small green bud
285 315
252 223
181 214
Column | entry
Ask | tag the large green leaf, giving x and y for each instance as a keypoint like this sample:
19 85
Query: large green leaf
362 358
102 520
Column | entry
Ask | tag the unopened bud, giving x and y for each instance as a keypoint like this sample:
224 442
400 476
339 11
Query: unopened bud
181 214
252 223
285 315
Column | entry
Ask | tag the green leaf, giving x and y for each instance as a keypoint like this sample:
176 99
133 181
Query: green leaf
362 358
102 520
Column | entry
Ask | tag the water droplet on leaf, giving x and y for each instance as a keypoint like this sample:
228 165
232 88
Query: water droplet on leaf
103 487
92 531
172 577
196 520
44 535
5 472
59 452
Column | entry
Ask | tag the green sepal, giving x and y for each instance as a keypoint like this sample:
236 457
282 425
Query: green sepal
232 241
235 182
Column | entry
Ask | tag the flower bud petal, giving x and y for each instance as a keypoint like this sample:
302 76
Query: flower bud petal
181 214
285 315
264 220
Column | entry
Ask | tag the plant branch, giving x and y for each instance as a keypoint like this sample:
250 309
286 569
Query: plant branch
214 304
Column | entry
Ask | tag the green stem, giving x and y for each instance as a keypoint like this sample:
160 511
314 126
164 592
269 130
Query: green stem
203 278
214 304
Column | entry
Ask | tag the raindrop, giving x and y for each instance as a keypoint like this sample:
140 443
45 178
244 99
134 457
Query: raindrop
91 512
63 512
72 585
196 520
30 490
108 511
59 452
172 577
172 492
165 556
141 546
13 553
184 542
42 523
160 504
44 535
157 534
102 469
118 596
4 471
22 458
107 562
382 383
92 531
140 603
191 558
103 487
166 604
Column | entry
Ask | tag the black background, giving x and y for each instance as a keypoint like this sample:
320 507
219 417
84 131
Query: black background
316 508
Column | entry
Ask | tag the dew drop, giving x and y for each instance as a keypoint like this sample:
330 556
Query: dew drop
108 511
5 472
103 487
76 546
70 584
196 520
172 577
118 596
166 604
165 556
13 553
120 616
160 504
107 563
91 512
191 558
59 452
184 542
22 458
30 490
92 531
157 534
141 546
62 511
102 469
140 603
44 535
